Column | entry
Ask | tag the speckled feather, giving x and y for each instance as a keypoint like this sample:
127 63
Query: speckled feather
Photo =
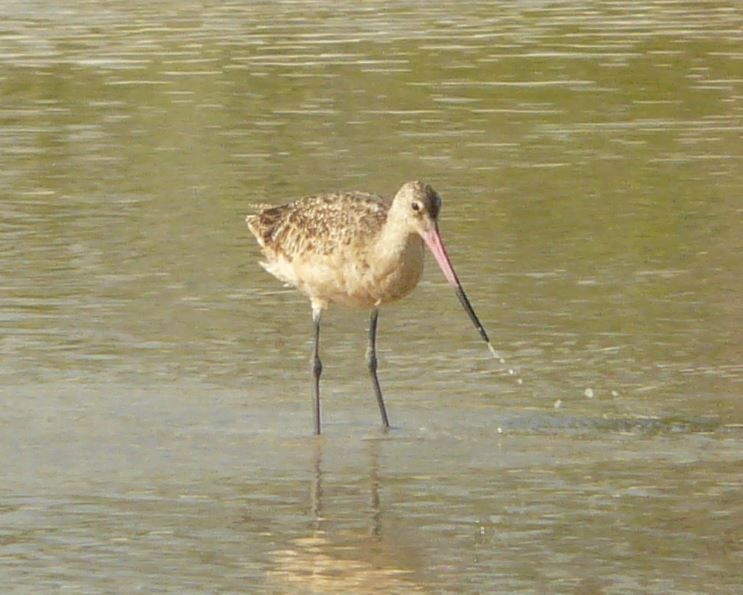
319 224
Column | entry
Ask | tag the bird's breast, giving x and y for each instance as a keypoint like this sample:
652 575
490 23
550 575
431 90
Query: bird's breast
396 272
357 278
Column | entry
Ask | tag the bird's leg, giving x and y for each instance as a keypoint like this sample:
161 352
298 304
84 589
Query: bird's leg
371 360
316 368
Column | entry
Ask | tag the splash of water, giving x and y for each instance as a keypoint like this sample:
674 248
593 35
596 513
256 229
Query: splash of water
502 362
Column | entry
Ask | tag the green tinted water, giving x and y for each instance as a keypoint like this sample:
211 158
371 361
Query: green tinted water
156 427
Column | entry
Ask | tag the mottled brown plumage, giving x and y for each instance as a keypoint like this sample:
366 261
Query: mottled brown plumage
348 248
320 223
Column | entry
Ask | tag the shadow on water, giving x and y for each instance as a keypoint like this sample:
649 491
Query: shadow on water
556 423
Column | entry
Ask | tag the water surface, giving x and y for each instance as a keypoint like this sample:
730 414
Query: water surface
156 420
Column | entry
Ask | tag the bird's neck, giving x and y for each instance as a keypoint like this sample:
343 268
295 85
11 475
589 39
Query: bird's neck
396 246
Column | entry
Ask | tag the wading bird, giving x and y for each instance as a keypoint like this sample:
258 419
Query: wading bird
357 250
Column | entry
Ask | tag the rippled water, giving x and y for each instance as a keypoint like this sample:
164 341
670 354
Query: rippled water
156 427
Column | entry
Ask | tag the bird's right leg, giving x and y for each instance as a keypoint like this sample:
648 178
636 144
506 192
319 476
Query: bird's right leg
316 366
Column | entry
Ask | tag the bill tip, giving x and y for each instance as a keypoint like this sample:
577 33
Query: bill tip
494 353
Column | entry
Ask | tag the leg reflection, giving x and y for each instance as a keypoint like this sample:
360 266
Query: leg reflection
331 555
316 486
375 529
317 518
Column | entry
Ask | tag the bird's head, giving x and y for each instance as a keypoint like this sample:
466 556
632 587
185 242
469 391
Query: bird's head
418 206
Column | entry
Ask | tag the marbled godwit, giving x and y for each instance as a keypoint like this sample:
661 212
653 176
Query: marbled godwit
357 250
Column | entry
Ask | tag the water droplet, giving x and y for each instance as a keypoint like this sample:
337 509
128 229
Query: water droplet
496 355
502 361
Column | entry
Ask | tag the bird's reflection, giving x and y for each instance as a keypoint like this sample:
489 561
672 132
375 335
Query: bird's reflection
316 485
316 488
322 561
375 529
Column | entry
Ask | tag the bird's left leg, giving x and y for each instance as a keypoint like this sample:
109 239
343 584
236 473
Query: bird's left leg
371 361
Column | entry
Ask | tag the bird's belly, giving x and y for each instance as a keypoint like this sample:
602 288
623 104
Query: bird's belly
357 284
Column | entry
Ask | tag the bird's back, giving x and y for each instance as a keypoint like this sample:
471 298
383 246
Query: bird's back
319 225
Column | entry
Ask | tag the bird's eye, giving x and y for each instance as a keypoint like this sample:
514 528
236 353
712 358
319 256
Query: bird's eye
416 206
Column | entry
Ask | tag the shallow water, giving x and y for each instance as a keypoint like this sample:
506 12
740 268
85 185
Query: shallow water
156 427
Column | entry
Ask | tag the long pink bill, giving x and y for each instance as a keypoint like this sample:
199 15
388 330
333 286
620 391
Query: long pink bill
433 241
